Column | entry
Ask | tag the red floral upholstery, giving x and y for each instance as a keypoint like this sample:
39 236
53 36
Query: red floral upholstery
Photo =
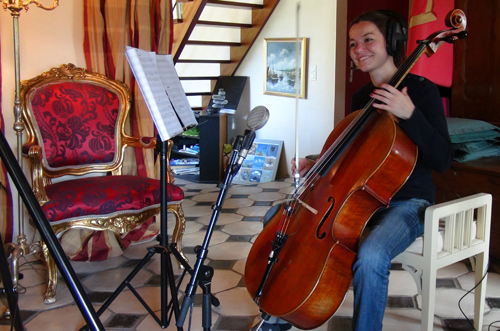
104 195
77 123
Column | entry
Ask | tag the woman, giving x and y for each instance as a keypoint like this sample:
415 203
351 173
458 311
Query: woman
419 110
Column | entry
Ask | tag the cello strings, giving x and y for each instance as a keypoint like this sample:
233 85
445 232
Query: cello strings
344 139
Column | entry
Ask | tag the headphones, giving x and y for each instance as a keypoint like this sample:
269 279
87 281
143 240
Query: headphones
396 32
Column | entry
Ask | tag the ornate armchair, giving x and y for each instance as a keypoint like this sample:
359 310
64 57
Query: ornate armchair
75 126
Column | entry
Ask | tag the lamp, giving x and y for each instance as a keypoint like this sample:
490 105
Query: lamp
21 248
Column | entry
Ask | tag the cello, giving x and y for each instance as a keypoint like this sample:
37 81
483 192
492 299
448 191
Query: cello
300 266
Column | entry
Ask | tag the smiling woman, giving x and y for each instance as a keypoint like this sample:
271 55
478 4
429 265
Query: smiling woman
368 51
394 224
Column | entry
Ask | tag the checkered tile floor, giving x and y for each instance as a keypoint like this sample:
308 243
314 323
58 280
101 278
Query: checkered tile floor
237 226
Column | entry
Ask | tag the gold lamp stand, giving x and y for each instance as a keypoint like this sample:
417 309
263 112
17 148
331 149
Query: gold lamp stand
21 248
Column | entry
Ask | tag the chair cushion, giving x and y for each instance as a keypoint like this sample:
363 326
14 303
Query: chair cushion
104 195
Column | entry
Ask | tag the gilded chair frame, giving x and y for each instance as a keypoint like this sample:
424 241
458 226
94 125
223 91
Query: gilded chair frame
42 173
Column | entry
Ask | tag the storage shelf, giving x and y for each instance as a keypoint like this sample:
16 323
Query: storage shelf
187 154
213 134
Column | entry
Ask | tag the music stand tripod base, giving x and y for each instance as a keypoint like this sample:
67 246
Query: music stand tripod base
167 273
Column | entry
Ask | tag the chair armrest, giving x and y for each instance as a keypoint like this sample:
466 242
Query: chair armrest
39 180
142 142
150 142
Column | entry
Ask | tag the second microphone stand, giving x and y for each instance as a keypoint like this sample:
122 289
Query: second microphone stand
201 274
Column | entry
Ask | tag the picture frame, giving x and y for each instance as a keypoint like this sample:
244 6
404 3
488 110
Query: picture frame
280 66
261 163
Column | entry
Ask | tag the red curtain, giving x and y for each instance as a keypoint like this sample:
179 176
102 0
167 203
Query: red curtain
427 17
110 26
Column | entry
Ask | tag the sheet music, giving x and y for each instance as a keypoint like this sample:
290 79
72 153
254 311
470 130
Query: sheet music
145 70
174 90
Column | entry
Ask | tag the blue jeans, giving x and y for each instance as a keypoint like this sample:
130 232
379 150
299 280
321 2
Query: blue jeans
392 231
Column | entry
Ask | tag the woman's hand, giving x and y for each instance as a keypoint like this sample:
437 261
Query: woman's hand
394 101
304 166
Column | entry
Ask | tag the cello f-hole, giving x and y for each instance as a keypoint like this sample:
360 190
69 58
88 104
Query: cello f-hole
331 201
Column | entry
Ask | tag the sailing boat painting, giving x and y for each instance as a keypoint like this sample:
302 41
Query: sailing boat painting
280 64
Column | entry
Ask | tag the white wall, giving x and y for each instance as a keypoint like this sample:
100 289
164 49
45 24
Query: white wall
317 22
47 39
50 38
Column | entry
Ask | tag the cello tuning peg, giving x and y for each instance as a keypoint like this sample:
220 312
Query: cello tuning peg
462 34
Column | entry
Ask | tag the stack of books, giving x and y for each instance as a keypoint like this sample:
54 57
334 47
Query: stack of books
189 166
193 150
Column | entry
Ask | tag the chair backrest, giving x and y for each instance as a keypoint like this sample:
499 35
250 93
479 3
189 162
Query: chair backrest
77 118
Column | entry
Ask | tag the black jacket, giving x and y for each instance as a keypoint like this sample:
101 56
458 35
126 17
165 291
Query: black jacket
426 128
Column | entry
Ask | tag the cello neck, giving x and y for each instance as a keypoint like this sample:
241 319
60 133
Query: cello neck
457 22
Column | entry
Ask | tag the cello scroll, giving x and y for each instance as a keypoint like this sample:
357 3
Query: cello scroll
457 21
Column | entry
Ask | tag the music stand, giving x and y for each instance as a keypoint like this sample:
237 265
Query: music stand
169 108
167 278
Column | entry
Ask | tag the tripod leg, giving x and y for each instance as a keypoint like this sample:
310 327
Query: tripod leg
170 281
126 282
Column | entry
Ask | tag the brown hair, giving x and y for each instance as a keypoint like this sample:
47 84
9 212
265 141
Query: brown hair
385 20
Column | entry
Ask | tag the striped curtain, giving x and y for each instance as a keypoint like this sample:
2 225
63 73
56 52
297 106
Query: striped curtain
5 195
110 26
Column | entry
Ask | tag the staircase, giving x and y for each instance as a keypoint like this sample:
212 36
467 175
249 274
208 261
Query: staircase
211 38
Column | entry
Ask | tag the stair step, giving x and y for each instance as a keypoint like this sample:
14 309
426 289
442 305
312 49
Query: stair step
236 4
231 3
203 61
229 24
188 94
199 78
213 43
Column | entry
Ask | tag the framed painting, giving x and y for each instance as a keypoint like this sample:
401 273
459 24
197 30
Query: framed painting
261 163
280 65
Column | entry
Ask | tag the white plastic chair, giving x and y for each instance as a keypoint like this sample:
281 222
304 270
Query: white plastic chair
466 234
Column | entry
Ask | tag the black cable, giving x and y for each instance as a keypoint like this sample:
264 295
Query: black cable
450 185
489 326
469 291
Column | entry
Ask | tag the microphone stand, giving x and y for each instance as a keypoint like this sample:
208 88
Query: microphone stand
201 273
48 236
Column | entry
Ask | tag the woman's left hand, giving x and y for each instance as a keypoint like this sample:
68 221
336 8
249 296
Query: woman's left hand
394 101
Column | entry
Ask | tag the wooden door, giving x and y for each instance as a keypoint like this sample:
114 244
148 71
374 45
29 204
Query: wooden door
354 9
476 70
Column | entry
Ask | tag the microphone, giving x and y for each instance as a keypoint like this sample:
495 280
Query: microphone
256 119
245 147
